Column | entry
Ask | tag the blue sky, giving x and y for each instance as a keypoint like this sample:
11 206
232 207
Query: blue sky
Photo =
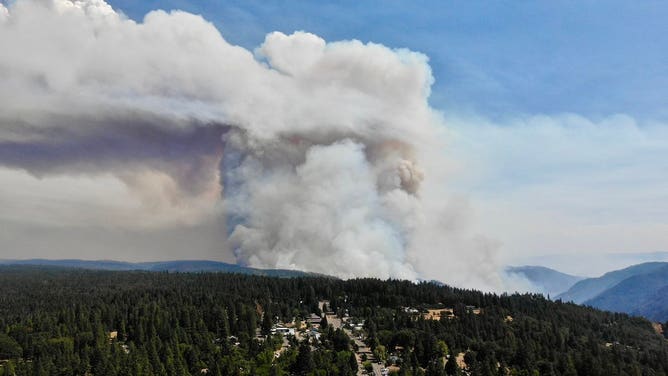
558 110
496 59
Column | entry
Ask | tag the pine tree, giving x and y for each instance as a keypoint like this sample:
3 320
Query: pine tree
304 362
451 366
266 322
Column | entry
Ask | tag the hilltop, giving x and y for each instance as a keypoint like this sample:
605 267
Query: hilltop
545 280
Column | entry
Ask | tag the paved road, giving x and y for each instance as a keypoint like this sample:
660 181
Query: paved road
336 323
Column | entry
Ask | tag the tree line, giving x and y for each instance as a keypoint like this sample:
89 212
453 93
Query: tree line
58 321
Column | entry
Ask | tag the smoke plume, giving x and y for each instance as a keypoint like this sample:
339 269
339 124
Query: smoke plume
319 156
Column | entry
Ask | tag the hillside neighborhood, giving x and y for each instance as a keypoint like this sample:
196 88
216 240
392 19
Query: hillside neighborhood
379 361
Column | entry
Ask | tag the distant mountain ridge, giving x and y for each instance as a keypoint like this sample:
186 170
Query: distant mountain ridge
182 266
547 281
640 290
641 295
591 287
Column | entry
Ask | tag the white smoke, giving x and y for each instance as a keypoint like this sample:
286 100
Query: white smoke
3 12
330 157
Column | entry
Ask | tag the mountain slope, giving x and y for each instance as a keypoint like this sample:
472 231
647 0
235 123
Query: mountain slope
546 280
656 306
642 295
182 266
591 287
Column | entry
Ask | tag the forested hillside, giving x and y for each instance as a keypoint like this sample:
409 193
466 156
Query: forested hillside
57 321
160 266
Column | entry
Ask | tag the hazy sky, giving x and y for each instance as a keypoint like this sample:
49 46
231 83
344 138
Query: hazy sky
556 113
559 109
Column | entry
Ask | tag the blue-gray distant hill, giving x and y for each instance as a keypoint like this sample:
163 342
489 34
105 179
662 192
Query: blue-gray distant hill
545 280
591 287
640 295
640 290
181 266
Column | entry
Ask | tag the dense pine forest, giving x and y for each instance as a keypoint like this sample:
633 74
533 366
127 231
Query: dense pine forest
58 321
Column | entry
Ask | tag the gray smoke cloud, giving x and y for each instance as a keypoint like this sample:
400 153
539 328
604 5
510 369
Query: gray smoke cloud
319 156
